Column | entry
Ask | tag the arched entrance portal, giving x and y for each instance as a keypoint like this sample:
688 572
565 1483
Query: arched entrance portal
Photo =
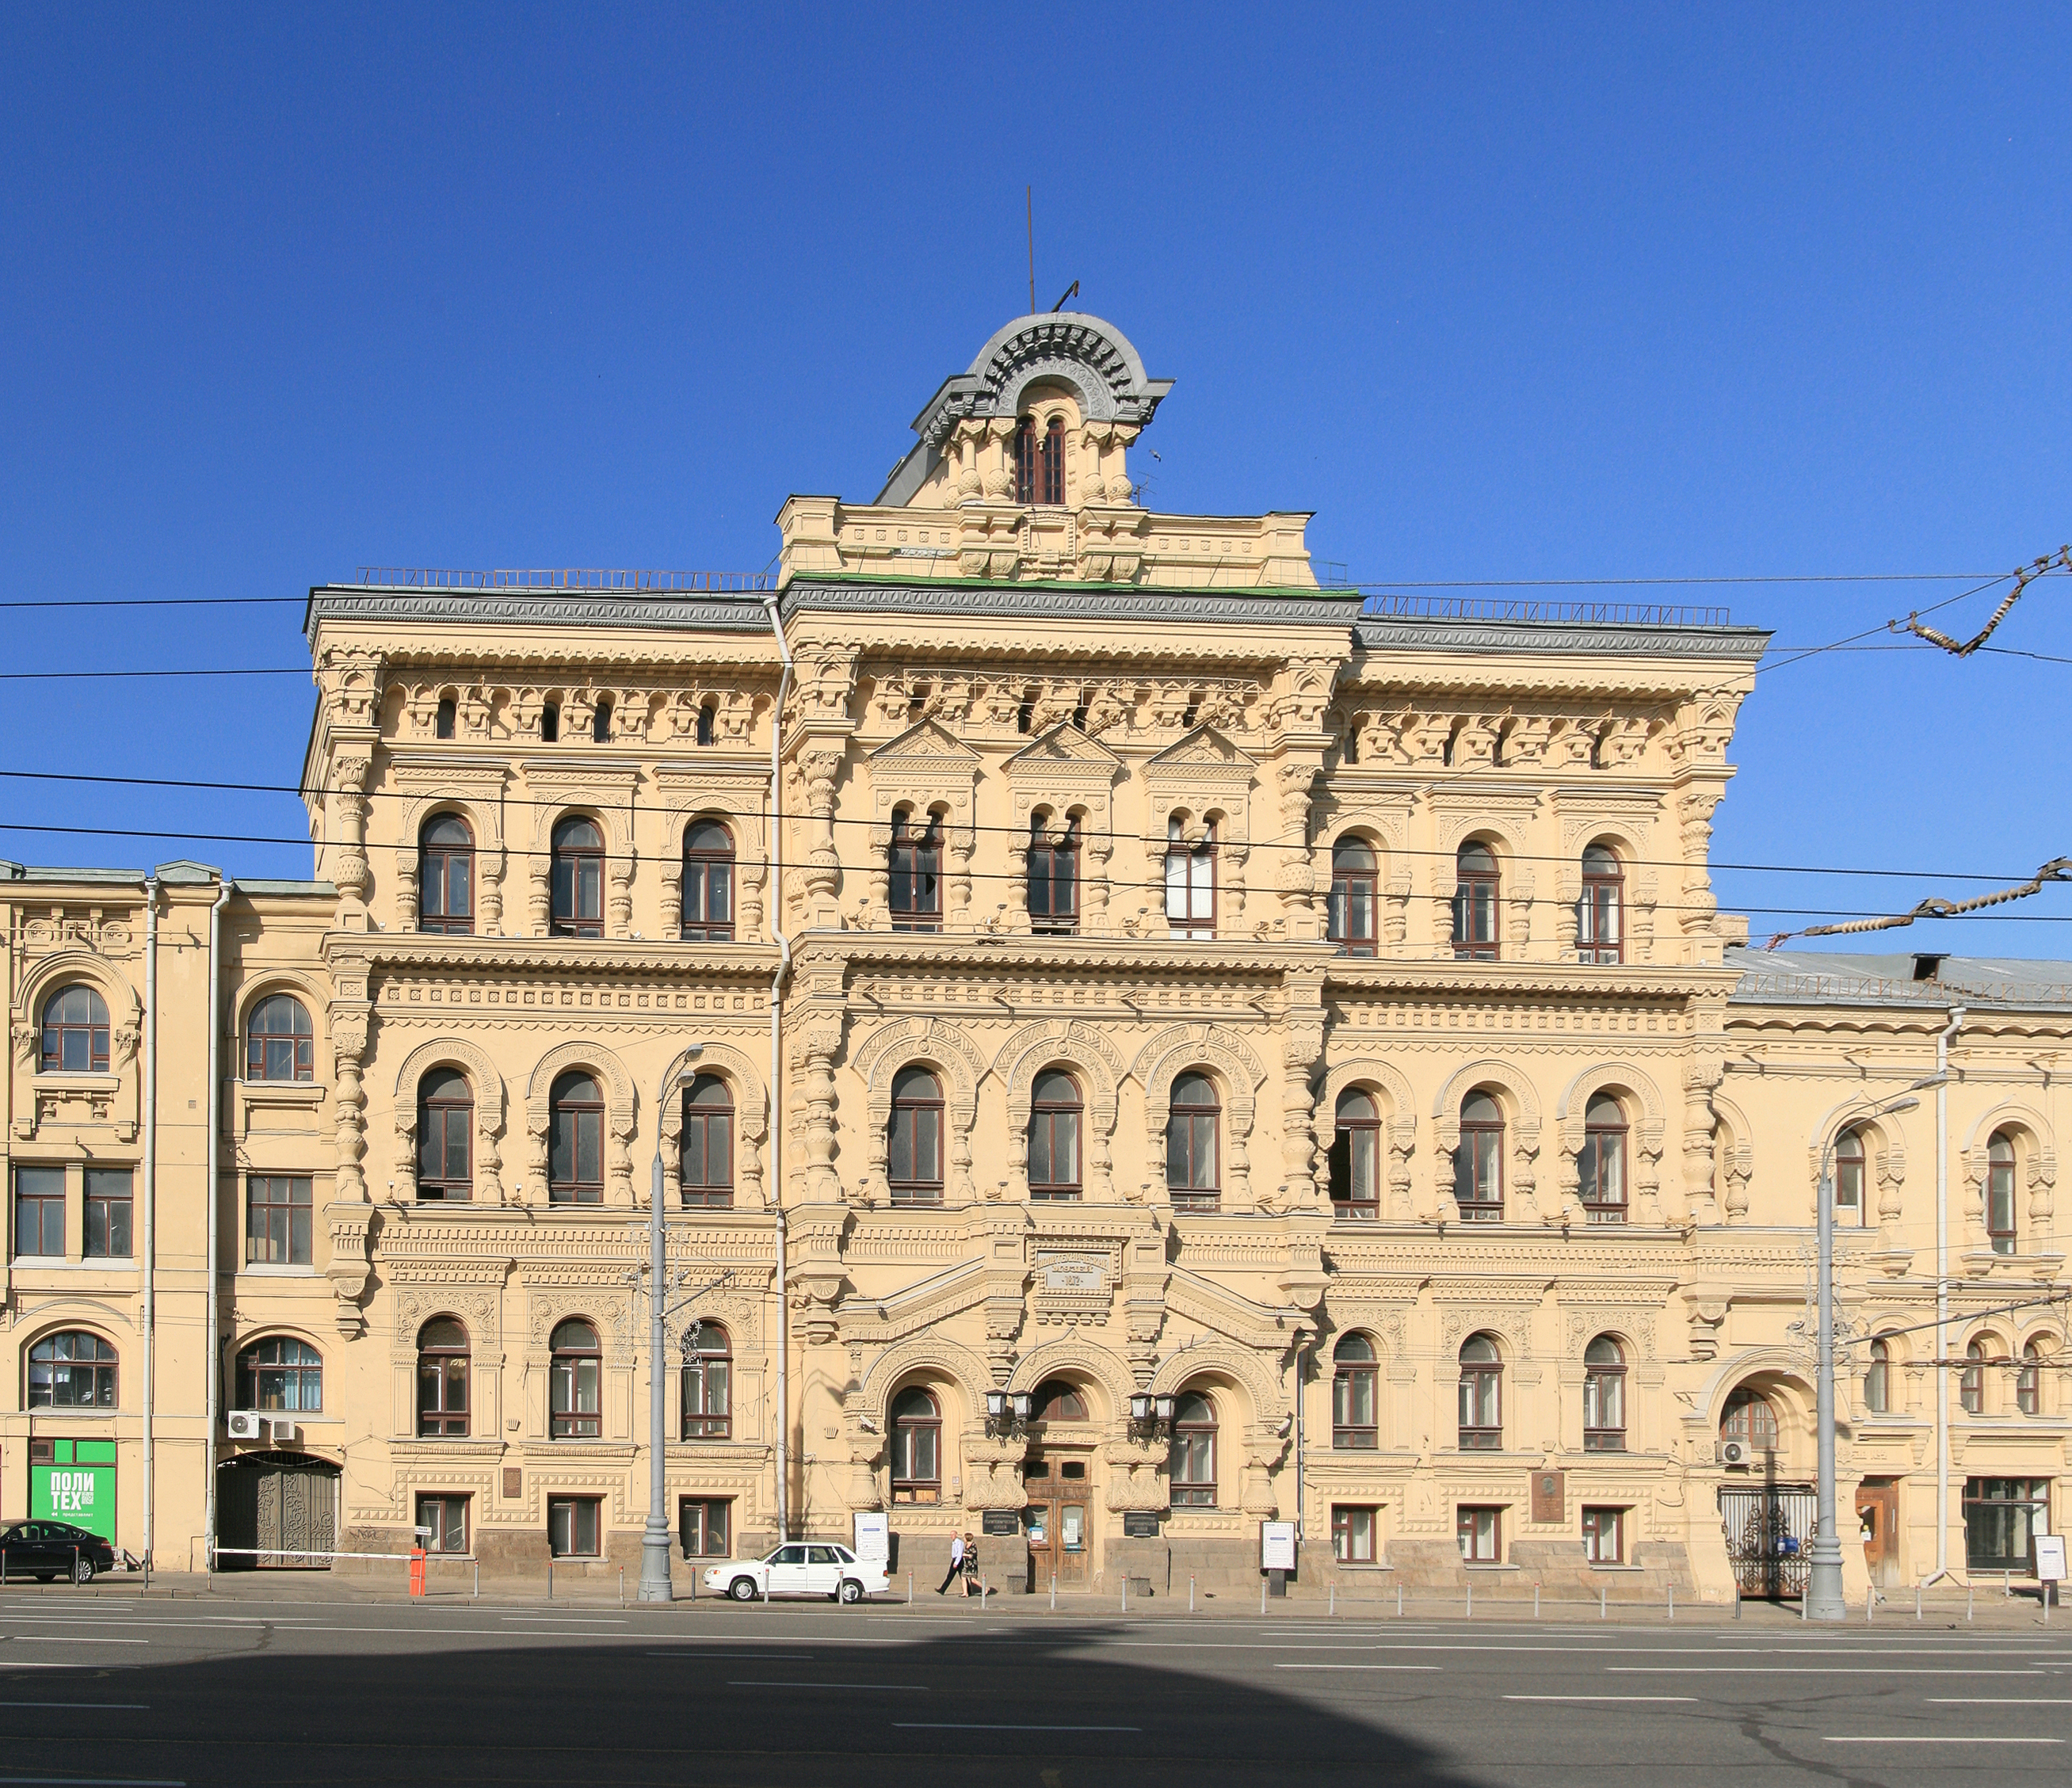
1057 1480
271 1507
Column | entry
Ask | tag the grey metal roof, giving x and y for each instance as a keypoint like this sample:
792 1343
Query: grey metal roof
1834 977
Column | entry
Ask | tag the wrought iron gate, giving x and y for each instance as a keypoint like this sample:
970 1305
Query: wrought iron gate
1769 1529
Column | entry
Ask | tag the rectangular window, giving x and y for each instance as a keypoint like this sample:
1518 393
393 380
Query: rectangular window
1480 1532
277 1226
703 1527
1352 1534
40 1212
2000 1515
572 1527
108 1207
1190 887
1604 1535
446 1517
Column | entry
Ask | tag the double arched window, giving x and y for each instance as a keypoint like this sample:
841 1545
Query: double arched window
708 1385
75 1032
442 1374
1604 1396
1877 1380
1478 1161
446 1133
280 1373
278 1044
446 876
573 1387
916 1446
2000 1192
705 1160
579 878
914 1140
72 1370
1355 1157
1039 463
708 883
1849 1179
575 1141
1478 892
1481 1395
1353 1423
1193 1166
1601 1168
1056 1119
1191 1463
916 863
1053 876
1600 913
1971 1382
1352 905
1750 1418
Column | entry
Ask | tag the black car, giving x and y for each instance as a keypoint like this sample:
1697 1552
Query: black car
48 1550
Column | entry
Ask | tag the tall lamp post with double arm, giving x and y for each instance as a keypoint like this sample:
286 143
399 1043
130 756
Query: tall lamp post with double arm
655 1583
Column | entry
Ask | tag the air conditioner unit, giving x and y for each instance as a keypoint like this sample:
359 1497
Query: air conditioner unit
281 1432
1733 1453
243 1423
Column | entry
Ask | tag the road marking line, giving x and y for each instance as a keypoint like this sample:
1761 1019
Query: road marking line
754 1657
89 1782
1987 1701
128 1707
52 1638
973 1726
1802 1670
762 1682
1360 1667
1601 1698
1889 1738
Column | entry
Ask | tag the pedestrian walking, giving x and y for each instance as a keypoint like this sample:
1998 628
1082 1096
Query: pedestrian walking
956 1565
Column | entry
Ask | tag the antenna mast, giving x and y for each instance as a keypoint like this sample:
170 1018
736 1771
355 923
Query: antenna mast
1029 197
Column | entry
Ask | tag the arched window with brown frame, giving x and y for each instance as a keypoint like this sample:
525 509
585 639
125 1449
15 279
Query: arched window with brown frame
1478 1161
1849 1176
1355 1158
1478 902
2000 1192
279 1044
2028 1379
915 863
1190 882
708 915
1600 912
1053 876
1604 1396
1351 912
1190 1468
445 1135
75 1031
577 866
1750 1418
442 1378
575 1141
708 1385
280 1373
575 1382
914 1141
74 1369
1877 1378
1354 1425
707 723
444 717
446 876
1601 1168
1059 1400
1481 1395
1057 1117
916 1446
1972 1381
1039 463
705 1151
1194 1166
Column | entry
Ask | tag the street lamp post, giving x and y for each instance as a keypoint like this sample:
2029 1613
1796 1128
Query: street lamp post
655 1583
1823 1582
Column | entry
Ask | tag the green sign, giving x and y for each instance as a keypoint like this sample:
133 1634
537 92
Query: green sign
78 1487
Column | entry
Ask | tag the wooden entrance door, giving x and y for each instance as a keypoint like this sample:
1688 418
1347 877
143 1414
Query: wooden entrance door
1059 1522
1877 1517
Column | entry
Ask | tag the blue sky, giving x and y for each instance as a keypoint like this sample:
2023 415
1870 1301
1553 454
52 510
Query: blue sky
1498 292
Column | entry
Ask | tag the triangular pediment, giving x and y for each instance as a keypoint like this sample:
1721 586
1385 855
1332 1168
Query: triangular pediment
1228 1313
1203 749
925 743
1064 747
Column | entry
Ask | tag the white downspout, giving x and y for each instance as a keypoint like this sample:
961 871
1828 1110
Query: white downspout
774 907
212 1389
1942 1291
150 1187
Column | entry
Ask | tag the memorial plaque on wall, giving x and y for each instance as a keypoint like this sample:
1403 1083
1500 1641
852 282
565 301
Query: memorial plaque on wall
1550 1496
1003 1521
1141 1524
514 1481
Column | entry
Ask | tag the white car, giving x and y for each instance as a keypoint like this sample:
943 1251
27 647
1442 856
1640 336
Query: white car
799 1567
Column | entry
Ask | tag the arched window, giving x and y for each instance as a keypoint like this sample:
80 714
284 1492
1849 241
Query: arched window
575 1141
1750 1418
706 1159
442 1378
1351 911
1056 1400
1190 882
1192 1170
1353 1424
579 878
916 864
1055 1115
1999 1193
708 1381
550 723
2029 1381
442 721
1604 1396
75 1032
1601 1165
707 727
574 1398
1355 1158
914 1144
280 1373
446 876
1478 1161
1053 876
1191 1464
277 1041
1877 1380
1477 893
445 1131
1039 463
72 1370
708 883
1481 1395
1849 1179
916 1446
1600 915
1972 1383
600 721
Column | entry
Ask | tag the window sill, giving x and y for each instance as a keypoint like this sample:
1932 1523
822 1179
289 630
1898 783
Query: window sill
1595 1566
1471 1564
268 1269
59 1263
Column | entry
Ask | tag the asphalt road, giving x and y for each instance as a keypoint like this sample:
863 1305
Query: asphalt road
110 1691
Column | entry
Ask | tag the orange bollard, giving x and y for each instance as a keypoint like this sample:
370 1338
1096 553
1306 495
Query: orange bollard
416 1570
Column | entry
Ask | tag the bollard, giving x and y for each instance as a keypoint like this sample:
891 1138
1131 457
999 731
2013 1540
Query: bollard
1333 1607
478 1579
1190 1593
1399 1602
984 1589
1802 1604
1262 1594
2007 1584
1870 1605
621 1586
1672 1601
1471 1598
1917 1601
1054 1591
909 1588
1125 1595
1968 1602
1738 1598
1535 1601
1601 1601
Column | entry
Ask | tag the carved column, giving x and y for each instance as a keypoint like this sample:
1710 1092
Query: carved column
820 764
1302 1048
489 895
1701 1080
1395 909
1694 813
350 872
349 1216
1297 875
1517 913
618 901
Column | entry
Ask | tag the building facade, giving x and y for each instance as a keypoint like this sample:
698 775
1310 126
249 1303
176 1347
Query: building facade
1132 1043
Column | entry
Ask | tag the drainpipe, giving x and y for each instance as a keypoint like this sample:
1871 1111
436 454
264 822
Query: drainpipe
1942 1291
775 908
212 1389
150 1186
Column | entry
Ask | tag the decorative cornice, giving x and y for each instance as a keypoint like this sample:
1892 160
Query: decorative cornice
1076 601
679 611
1381 633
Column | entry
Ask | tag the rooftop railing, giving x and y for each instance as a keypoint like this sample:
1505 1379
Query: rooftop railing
1382 605
391 576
